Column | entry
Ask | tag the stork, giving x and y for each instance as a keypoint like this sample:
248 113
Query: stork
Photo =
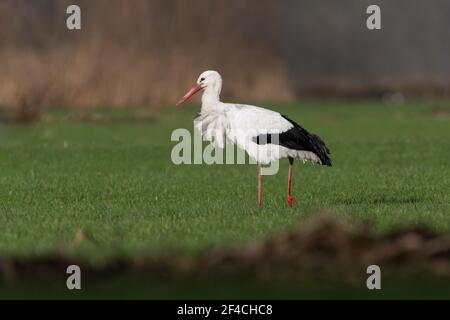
264 134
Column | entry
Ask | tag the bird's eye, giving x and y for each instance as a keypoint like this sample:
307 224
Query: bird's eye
202 79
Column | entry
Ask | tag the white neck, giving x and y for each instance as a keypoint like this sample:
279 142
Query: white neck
211 95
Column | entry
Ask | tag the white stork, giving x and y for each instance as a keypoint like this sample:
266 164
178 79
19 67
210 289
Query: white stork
264 134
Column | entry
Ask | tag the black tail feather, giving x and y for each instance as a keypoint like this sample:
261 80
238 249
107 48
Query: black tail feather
300 139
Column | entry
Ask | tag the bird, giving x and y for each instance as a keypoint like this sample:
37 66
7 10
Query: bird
264 134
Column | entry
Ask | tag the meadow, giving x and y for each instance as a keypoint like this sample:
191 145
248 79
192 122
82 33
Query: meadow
110 174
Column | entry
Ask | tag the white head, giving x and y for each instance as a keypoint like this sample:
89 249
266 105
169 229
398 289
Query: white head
209 80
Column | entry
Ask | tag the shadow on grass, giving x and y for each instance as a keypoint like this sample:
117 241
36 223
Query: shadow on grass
134 286
319 258
381 200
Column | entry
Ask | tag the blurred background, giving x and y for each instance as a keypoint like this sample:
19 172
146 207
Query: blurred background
148 52
99 185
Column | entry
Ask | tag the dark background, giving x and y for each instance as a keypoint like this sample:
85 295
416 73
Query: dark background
148 52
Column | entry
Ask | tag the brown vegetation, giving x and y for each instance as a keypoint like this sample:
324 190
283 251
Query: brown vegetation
148 52
139 53
320 247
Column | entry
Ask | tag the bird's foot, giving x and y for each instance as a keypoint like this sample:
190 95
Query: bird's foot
290 200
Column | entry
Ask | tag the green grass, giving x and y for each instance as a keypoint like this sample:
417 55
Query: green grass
116 180
132 287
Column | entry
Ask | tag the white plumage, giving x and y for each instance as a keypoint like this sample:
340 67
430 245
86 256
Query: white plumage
240 124
264 134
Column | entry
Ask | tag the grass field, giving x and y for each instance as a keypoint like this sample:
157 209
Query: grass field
115 179
144 288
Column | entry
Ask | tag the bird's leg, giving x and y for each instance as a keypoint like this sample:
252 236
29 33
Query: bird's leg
289 198
259 186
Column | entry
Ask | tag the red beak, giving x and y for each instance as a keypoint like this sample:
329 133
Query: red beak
189 94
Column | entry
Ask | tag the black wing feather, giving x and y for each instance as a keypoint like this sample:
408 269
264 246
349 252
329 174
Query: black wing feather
298 138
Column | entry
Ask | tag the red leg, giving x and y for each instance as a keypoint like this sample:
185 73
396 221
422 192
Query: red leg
259 186
289 198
